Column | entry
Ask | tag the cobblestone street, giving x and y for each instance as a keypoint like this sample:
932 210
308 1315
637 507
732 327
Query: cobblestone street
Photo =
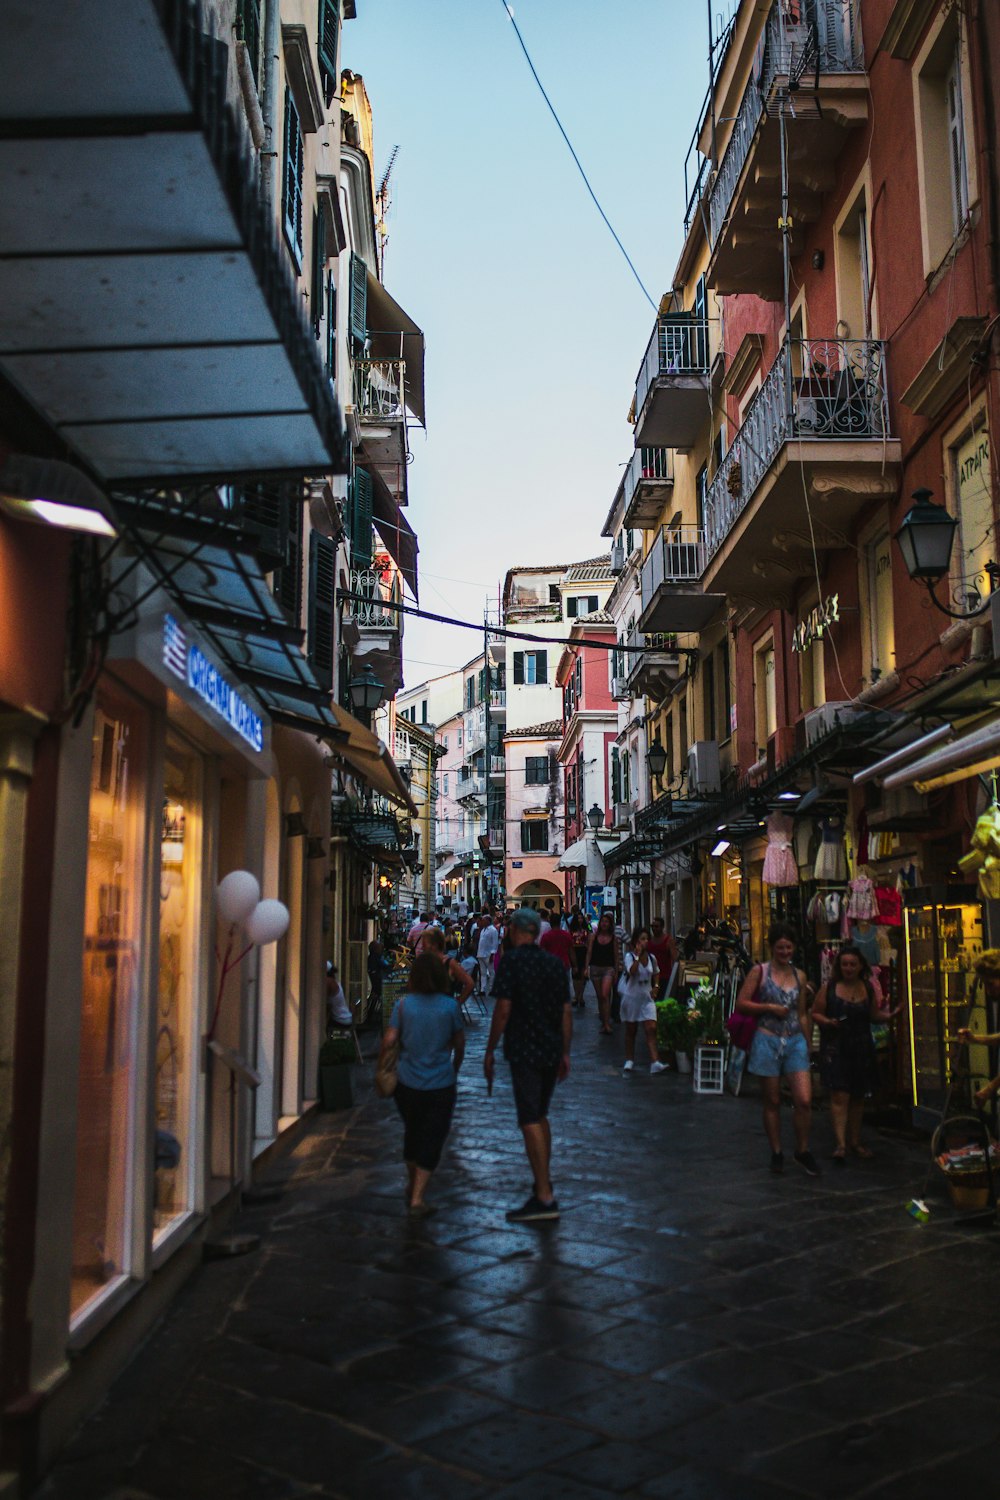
691 1328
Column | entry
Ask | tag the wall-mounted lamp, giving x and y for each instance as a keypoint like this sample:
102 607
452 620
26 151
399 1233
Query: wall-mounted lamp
926 536
818 260
53 493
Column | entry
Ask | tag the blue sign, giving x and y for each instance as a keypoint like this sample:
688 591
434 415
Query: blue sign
517 864
208 683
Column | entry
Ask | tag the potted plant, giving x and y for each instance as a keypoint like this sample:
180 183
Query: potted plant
678 1025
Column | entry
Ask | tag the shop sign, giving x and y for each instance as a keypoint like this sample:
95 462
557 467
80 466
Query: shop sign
192 666
813 627
610 896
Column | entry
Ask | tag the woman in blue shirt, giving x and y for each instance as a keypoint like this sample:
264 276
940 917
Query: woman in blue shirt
428 1023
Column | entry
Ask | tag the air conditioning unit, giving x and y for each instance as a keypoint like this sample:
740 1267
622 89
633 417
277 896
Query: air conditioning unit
704 773
823 721
618 558
619 687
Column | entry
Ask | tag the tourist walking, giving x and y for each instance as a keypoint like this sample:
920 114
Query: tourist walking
559 943
461 985
638 1008
603 963
579 936
427 1023
534 1018
489 942
845 1010
777 996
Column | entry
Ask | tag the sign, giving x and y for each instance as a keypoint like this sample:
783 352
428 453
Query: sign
517 864
816 623
188 662
975 509
610 895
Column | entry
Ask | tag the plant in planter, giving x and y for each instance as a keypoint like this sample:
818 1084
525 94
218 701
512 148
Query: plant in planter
678 1025
708 1006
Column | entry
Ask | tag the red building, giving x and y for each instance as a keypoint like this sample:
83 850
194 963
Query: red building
590 726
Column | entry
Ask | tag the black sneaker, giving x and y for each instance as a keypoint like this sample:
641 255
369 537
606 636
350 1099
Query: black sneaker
808 1163
777 1162
532 1210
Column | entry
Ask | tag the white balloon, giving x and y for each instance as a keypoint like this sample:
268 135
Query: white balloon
237 894
267 922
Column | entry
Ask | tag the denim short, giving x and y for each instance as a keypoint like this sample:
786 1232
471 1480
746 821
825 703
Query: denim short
771 1055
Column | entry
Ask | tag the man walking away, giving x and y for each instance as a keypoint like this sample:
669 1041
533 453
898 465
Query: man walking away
533 1015
489 942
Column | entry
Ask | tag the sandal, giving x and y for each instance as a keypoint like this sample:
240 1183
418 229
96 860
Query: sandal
840 1157
862 1153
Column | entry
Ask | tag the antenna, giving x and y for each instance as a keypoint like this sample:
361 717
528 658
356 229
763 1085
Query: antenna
382 201
387 173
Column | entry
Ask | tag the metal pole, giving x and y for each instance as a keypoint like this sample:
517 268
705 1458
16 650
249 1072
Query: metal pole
711 83
786 250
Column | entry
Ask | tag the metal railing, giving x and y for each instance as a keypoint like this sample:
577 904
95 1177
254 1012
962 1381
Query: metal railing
470 786
466 843
498 764
642 644
678 555
678 345
378 591
817 389
827 39
647 463
379 389
498 697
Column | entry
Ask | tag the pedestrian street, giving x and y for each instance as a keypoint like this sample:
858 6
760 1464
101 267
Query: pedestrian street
692 1327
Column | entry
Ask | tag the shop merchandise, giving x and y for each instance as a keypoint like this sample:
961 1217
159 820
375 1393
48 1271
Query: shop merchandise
908 877
861 902
780 869
885 949
890 906
983 857
865 938
831 861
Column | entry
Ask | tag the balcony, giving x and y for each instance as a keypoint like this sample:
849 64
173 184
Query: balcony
376 625
498 766
380 405
813 453
474 730
672 397
470 788
670 582
498 700
652 663
646 487
812 72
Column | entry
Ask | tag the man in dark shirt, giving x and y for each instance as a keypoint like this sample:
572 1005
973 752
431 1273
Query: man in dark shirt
533 1015
662 948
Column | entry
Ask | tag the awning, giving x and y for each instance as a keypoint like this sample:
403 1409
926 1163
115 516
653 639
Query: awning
968 756
398 535
586 854
148 312
364 754
394 335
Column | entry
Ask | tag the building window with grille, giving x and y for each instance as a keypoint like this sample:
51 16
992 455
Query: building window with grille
534 836
294 158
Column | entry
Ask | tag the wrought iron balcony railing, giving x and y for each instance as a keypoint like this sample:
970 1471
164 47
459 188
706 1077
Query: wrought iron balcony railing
828 390
371 612
678 555
678 346
379 392
825 39
470 786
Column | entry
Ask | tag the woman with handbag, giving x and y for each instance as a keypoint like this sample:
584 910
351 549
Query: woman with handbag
427 1033
844 1010
776 996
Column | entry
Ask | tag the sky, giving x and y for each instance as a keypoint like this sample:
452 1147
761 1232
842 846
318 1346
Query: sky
534 324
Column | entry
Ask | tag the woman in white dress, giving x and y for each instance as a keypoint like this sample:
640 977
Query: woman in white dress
638 1008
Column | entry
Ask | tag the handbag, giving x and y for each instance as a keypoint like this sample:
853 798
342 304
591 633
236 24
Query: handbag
743 1028
387 1068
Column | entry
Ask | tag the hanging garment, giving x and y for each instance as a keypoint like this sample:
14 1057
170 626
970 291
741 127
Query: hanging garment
802 843
780 869
865 850
831 903
885 953
865 938
831 862
861 902
890 906
826 958
908 877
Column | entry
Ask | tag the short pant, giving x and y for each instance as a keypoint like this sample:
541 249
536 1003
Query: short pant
533 1089
772 1056
427 1120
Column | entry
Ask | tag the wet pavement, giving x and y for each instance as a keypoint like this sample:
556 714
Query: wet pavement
692 1327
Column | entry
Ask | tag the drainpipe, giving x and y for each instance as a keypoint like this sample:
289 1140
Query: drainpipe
269 104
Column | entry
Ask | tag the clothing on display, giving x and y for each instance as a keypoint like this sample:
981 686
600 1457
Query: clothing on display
861 903
908 878
780 869
890 906
865 938
831 861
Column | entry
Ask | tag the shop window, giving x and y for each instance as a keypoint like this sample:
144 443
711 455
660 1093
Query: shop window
113 964
877 561
944 148
765 694
975 544
178 1024
534 836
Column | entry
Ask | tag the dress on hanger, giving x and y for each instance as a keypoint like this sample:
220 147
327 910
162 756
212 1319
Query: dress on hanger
780 868
861 903
831 861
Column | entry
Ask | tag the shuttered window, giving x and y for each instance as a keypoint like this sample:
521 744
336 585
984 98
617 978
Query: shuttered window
531 667
536 770
318 267
534 836
616 776
322 571
292 181
331 325
329 25
264 515
358 314
288 579
361 519
248 31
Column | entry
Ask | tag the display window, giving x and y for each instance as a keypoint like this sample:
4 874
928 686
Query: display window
113 965
179 986
944 942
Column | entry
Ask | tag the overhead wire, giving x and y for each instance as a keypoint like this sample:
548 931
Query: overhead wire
576 159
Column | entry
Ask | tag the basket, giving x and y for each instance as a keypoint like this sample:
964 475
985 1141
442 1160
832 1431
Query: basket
969 1187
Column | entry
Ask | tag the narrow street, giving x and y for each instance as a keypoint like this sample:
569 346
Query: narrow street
691 1328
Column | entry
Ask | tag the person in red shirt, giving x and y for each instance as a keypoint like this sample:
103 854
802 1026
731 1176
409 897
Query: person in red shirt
664 950
559 943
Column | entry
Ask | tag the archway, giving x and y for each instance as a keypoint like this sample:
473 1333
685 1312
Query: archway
541 894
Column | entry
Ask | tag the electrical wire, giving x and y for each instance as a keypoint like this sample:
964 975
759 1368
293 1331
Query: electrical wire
572 152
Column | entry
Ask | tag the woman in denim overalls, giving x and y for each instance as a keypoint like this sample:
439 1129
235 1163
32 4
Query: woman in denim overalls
777 995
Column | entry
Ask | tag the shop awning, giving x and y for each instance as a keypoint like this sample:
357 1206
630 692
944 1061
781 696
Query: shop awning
148 312
586 854
394 335
364 754
968 756
396 532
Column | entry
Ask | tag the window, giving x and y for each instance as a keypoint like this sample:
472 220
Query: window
945 158
331 325
534 836
423 711
458 738
709 703
248 32
293 168
444 741
554 596
853 268
877 559
531 667
329 17
725 692
583 604
536 770
446 784
764 692
958 174
357 313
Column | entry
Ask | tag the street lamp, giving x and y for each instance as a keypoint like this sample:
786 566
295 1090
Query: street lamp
595 817
365 690
925 537
656 760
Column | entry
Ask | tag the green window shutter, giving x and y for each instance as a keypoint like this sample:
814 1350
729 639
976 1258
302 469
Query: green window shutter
288 578
616 776
248 31
541 666
322 571
263 509
329 21
292 177
318 267
331 325
358 318
361 520
518 666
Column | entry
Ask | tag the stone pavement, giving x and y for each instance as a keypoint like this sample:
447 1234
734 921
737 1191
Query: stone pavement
691 1328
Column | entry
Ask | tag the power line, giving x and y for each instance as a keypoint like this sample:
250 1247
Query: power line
579 164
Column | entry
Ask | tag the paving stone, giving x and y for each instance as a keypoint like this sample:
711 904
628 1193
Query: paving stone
507 1446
